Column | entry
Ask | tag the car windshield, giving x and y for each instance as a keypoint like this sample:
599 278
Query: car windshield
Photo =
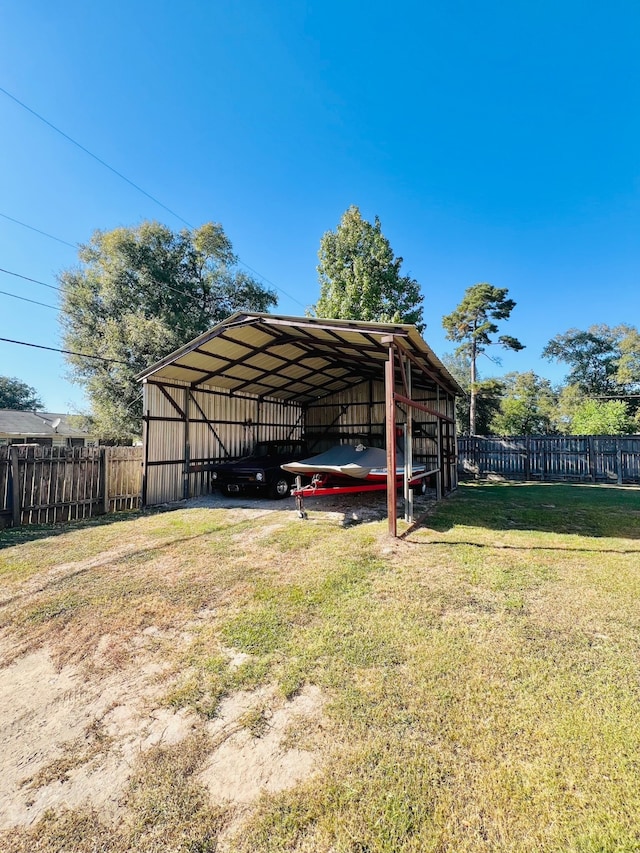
271 448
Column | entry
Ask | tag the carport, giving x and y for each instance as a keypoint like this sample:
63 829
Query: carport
259 377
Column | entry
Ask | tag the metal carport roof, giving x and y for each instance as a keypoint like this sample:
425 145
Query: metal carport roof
296 358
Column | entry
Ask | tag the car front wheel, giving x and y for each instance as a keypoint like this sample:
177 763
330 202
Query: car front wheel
280 488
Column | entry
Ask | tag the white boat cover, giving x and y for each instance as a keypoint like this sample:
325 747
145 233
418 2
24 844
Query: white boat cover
348 460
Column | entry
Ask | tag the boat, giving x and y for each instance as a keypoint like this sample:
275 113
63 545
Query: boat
346 462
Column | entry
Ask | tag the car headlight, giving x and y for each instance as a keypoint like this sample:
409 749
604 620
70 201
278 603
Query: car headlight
260 476
214 475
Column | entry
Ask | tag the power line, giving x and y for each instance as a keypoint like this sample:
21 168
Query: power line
65 351
176 290
131 183
53 287
264 278
38 231
95 156
26 278
56 308
33 301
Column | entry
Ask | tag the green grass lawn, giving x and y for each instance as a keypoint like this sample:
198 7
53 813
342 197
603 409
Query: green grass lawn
482 673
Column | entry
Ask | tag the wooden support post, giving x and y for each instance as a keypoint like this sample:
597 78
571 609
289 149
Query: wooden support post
105 461
16 509
390 408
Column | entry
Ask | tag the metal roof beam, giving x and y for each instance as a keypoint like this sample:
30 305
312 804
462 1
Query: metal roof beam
348 326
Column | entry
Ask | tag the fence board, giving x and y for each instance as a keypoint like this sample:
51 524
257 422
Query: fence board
124 478
597 459
44 485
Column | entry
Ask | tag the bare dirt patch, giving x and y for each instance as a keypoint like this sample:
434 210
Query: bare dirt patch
74 736
69 742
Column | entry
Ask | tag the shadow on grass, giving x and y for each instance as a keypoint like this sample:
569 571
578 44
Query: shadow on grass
564 508
110 559
492 546
10 536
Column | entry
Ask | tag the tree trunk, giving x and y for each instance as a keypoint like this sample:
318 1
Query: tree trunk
472 403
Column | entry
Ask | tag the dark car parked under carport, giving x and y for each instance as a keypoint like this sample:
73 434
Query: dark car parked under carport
260 472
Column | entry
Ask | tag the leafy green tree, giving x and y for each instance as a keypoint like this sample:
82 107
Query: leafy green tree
472 325
570 398
527 407
628 372
360 276
594 417
139 294
603 360
18 396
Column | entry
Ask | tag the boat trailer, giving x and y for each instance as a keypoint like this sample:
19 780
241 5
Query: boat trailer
321 486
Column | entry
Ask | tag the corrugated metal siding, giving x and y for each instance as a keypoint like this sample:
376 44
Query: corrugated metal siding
346 416
165 444
236 424
361 410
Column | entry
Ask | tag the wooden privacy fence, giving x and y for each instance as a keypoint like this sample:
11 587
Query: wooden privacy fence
589 458
43 485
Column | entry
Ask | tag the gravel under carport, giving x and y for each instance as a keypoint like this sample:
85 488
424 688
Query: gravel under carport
344 509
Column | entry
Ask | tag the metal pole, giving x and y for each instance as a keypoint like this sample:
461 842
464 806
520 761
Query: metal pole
390 407
408 454
187 448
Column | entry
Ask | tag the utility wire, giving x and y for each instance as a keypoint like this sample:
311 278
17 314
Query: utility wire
33 301
38 231
131 183
26 278
53 287
95 156
65 351
55 308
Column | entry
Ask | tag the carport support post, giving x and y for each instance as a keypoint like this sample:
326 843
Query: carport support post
187 447
408 452
145 440
390 407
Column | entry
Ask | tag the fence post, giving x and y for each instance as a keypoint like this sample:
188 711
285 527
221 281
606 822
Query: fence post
592 457
619 461
105 460
16 509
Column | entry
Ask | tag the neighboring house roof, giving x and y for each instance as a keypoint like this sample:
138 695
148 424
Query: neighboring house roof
38 424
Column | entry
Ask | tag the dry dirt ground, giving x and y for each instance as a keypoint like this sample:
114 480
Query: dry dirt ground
68 738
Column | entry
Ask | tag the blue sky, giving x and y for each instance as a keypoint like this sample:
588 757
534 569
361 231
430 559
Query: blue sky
496 141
